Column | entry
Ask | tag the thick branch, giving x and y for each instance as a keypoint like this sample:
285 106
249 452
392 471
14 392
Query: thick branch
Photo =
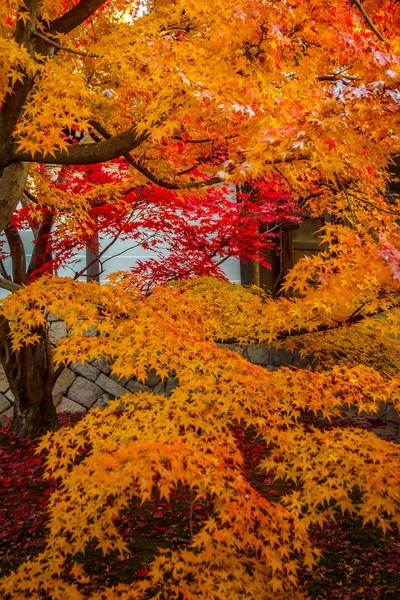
169 185
86 154
6 284
17 254
74 17
41 251
12 185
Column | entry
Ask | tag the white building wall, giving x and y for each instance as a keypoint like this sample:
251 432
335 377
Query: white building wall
119 258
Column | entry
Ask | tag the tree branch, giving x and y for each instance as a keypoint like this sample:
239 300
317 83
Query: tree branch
17 252
338 77
204 141
3 271
378 208
6 284
12 185
41 250
167 184
111 243
342 188
59 47
385 210
150 176
86 154
353 319
368 20
74 17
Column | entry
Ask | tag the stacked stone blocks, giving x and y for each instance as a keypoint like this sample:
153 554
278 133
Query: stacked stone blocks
83 386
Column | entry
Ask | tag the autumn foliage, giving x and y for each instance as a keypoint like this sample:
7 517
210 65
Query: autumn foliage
189 234
300 102
187 439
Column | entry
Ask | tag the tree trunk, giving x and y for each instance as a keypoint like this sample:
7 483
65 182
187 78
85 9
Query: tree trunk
30 374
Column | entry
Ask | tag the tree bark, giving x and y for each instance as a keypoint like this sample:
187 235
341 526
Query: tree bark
17 251
74 17
31 378
12 184
85 154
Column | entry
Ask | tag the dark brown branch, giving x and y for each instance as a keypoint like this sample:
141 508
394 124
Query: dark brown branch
335 78
351 320
191 169
59 47
3 271
385 210
17 251
86 154
342 188
150 176
74 17
204 141
200 163
167 184
41 251
368 20
6 284
30 196
379 208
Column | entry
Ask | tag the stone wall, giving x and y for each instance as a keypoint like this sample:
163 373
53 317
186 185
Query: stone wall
84 386
81 387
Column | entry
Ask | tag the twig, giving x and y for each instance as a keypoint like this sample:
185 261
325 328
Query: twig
349 204
348 322
148 174
98 256
385 210
126 250
204 141
191 514
368 20
59 47
285 178
94 32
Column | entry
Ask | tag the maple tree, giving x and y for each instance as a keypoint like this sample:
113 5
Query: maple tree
303 92
189 235
67 207
318 121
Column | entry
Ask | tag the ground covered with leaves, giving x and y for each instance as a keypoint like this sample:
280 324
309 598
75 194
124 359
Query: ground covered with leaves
357 563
